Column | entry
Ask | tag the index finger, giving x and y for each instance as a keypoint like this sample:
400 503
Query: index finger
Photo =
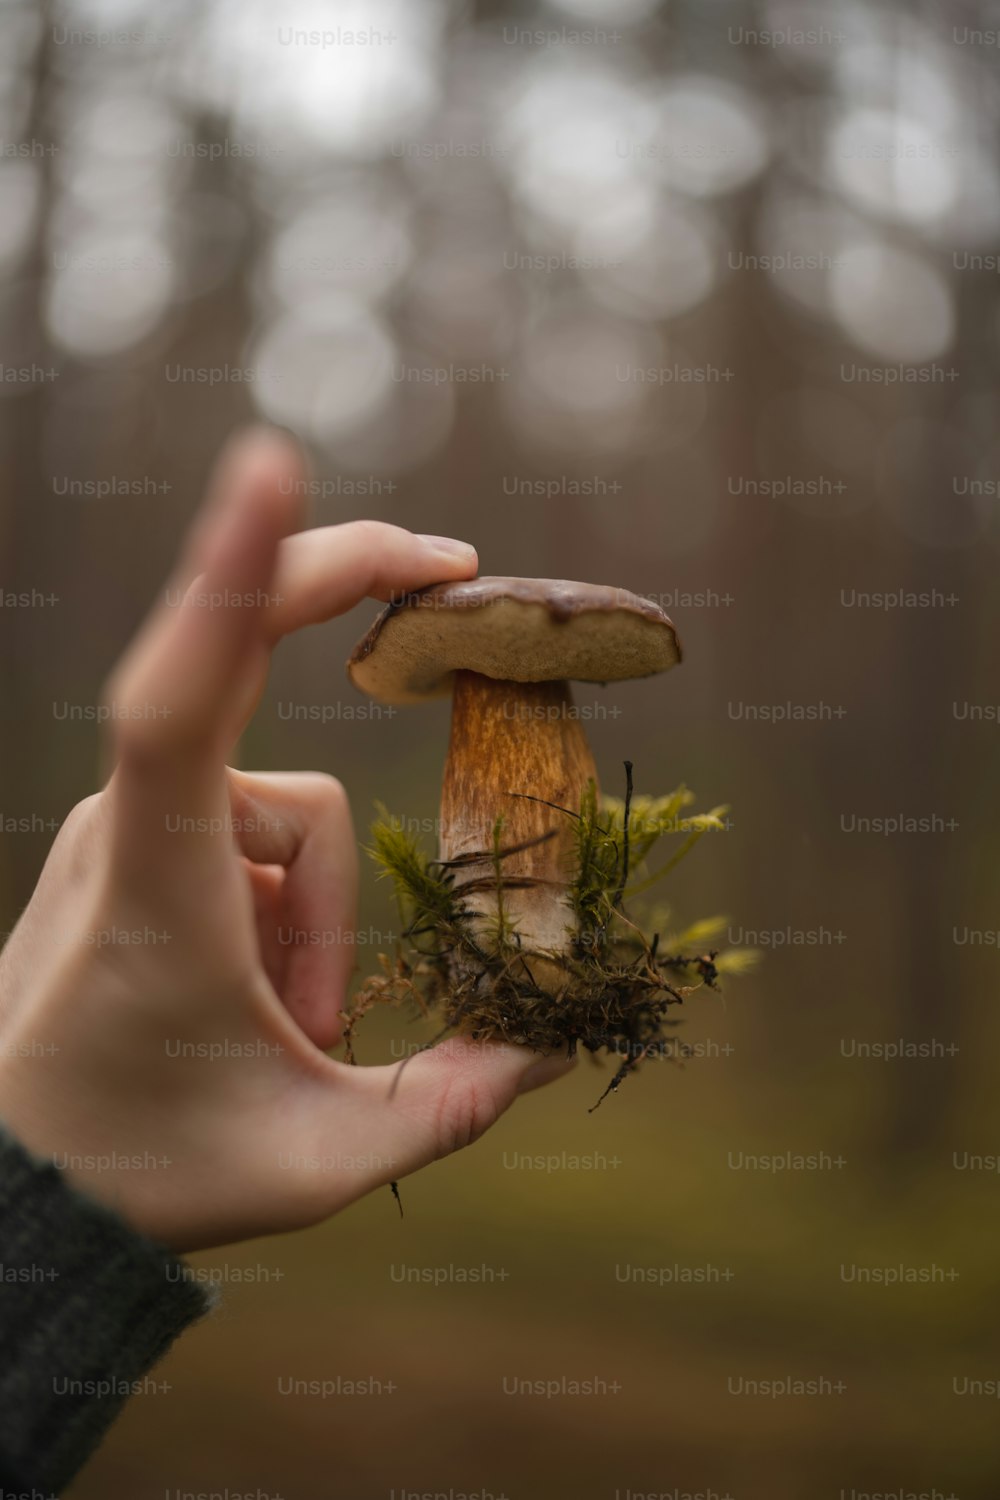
184 689
176 697
326 572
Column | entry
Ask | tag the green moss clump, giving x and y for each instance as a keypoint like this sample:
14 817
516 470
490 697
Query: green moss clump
618 984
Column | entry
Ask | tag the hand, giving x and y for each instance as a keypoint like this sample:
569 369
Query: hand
156 1036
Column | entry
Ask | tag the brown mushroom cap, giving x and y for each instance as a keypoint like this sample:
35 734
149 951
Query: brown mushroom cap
515 629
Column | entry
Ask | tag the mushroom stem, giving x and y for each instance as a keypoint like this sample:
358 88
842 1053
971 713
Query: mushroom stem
510 738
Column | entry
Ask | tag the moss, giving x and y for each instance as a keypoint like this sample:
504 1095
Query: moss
618 984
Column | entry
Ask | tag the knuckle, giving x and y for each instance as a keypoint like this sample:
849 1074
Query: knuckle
116 695
124 688
79 840
136 743
245 793
79 822
144 731
299 1185
371 534
147 722
466 1108
85 812
130 737
326 791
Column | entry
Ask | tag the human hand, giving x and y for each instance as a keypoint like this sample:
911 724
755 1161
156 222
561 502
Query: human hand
182 1075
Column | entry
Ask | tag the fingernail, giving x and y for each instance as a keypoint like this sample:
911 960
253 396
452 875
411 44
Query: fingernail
450 547
546 1070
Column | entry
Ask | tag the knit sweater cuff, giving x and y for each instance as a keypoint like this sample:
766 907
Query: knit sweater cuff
87 1305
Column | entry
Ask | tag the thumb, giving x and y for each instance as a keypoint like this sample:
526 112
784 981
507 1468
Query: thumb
396 1119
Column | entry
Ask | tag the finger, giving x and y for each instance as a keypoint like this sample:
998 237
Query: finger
326 572
265 883
394 1120
176 696
302 821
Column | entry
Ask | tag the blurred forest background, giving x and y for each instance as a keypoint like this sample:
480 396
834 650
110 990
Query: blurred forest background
786 215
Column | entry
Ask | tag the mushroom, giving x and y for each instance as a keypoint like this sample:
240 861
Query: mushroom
506 649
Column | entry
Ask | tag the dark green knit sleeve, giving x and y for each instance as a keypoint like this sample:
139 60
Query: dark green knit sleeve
87 1305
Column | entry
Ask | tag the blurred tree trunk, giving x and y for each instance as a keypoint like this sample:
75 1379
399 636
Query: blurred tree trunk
30 635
